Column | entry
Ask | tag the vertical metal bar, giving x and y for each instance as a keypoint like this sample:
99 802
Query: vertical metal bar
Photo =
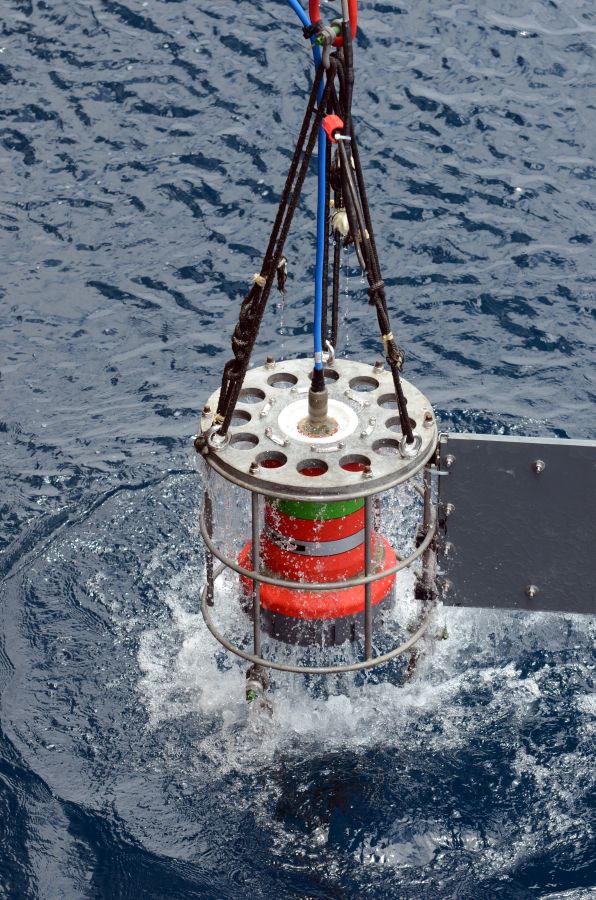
424 582
427 496
256 565
428 555
208 556
368 570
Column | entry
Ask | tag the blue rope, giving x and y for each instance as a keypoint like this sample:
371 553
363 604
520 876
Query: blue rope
321 159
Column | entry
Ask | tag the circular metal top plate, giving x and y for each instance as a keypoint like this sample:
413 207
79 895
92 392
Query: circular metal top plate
266 453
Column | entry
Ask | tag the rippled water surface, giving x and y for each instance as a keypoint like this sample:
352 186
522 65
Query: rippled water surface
143 146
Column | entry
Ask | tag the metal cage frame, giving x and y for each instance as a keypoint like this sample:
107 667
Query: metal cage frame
424 550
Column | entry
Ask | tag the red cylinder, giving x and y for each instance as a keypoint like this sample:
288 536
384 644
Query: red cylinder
320 604
322 543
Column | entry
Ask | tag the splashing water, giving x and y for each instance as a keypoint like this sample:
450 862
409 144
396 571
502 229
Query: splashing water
186 671
361 779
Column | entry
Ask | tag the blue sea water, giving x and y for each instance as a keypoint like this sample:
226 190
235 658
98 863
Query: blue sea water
143 146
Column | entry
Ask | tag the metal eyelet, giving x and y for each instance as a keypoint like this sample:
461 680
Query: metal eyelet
409 451
215 440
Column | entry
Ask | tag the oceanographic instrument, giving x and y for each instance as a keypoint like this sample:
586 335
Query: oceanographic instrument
317 443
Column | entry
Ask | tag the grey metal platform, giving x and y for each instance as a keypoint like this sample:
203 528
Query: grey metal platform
517 525
266 454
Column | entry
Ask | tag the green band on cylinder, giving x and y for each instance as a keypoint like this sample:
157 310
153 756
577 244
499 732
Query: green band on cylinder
320 512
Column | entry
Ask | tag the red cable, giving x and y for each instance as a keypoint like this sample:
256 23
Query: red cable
314 11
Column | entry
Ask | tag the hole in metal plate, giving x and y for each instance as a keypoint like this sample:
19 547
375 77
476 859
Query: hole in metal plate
282 380
386 447
272 459
354 462
251 395
330 375
240 417
243 440
364 383
394 424
312 467
387 401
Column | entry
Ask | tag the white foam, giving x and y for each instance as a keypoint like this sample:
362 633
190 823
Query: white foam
186 672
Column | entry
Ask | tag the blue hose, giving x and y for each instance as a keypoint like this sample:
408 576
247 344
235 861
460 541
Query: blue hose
302 15
321 165
318 321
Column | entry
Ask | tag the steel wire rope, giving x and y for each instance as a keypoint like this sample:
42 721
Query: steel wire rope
361 229
253 305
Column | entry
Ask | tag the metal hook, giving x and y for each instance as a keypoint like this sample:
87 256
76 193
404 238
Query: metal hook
329 357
